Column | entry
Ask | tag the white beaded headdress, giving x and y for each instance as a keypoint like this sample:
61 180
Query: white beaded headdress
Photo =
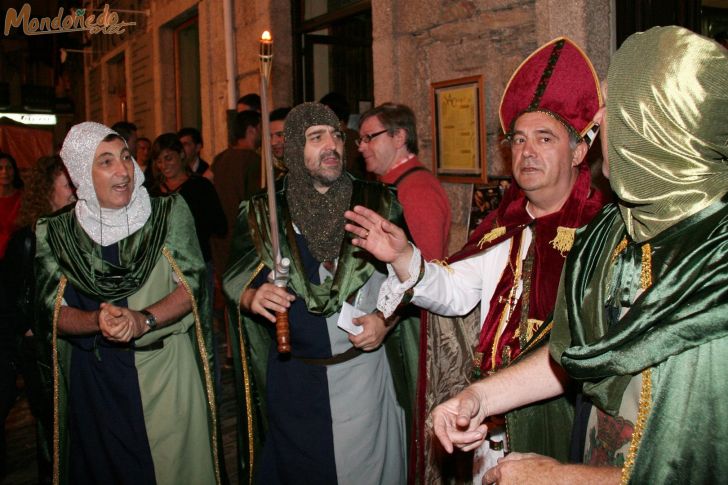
104 226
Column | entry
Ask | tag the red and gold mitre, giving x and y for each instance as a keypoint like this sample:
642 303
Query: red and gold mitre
557 79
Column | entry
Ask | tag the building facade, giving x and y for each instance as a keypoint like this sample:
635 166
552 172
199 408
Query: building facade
186 61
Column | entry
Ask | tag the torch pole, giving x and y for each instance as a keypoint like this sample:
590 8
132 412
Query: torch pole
280 265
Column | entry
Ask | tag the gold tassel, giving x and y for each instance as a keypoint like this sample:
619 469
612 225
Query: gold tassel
494 233
443 263
564 239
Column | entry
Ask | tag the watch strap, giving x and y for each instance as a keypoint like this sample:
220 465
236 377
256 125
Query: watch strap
151 320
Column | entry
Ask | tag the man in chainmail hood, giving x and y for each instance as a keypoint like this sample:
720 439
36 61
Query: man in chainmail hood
317 201
334 409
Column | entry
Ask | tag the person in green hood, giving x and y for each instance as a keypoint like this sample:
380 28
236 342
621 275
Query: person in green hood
641 316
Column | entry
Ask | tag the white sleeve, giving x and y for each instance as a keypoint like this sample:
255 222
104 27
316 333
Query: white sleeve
455 289
392 290
451 290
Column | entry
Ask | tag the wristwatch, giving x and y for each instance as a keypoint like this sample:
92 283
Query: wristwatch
151 320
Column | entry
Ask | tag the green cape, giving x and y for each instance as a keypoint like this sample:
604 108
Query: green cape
66 254
677 328
249 254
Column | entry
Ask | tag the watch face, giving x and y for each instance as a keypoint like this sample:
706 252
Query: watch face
151 320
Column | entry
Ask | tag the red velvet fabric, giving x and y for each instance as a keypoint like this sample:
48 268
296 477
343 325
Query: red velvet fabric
581 206
572 90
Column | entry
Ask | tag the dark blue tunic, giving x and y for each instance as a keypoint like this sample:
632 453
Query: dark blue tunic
108 437
299 445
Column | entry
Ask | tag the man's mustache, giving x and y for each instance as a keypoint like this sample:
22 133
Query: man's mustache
330 153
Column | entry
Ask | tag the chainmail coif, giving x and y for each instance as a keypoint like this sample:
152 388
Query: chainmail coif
319 217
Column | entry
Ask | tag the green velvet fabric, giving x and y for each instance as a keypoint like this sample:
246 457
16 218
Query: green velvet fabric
250 253
677 327
64 249
80 260
543 427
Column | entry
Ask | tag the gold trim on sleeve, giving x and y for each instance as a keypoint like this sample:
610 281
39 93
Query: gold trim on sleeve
619 248
646 389
646 273
209 386
54 357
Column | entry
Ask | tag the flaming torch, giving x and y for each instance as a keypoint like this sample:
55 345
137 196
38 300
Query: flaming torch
280 271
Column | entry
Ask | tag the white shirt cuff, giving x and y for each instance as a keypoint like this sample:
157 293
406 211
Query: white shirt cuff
393 290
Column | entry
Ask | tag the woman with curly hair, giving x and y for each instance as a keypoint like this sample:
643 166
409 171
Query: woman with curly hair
47 191
10 193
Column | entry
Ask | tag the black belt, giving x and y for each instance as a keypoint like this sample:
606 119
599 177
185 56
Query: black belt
124 347
335 359
159 344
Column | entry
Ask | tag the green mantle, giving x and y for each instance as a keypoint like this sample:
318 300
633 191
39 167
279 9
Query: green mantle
250 253
677 327
65 254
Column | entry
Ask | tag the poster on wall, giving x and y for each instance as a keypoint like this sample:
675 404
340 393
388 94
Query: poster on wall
486 198
459 142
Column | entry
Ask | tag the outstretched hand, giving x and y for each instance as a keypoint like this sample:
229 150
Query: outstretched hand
384 240
458 422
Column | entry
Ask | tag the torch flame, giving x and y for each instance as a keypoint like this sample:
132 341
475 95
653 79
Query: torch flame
265 36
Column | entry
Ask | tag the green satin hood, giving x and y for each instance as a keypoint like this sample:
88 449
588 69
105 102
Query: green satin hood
667 127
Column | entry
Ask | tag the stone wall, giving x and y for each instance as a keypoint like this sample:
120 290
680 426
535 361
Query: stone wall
415 43
419 43
251 19
150 62
142 105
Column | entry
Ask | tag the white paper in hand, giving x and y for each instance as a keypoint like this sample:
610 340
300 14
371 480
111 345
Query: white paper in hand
347 314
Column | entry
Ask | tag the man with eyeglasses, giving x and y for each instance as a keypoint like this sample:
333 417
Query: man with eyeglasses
388 142
333 409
